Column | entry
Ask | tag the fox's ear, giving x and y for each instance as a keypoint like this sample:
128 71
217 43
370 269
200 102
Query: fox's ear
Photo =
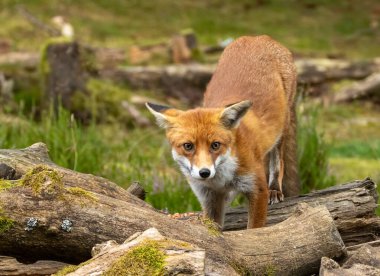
157 111
232 114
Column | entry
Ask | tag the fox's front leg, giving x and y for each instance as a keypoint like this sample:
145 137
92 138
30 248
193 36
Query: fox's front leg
213 205
276 174
258 202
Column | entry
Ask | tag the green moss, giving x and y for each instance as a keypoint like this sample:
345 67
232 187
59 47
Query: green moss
5 224
6 184
88 59
240 268
103 100
71 268
148 258
44 64
66 270
270 270
43 179
82 193
145 259
212 227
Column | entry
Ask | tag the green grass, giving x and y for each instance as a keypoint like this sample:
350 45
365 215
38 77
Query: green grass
357 148
300 25
347 169
353 135
313 152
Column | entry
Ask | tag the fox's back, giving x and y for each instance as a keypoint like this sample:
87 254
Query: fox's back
253 68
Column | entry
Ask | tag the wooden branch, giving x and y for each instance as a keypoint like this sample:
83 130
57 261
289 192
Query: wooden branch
10 266
137 190
60 214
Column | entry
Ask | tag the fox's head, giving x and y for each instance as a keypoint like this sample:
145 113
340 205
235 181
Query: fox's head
202 139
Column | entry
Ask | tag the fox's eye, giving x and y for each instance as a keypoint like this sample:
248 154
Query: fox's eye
215 145
188 146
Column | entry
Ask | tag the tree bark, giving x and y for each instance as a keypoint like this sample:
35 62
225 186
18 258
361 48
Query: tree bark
67 213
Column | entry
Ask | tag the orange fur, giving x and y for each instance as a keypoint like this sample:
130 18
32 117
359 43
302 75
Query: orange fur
261 70
255 69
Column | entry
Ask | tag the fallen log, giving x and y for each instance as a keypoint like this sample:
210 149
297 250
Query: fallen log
352 206
369 88
184 82
188 82
51 212
270 250
316 71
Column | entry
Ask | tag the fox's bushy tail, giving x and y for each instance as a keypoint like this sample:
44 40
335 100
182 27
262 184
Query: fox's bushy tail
291 183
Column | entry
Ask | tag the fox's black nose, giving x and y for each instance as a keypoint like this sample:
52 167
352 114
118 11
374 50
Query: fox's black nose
204 173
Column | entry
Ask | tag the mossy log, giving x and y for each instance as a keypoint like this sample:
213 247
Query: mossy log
60 214
147 253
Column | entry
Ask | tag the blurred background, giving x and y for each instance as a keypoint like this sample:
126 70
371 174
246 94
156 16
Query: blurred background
75 75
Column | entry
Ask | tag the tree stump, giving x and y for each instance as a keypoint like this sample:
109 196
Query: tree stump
66 68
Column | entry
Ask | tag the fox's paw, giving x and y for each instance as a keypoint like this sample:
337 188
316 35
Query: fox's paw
275 197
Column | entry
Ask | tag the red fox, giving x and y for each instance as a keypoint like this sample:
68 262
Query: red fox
243 138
